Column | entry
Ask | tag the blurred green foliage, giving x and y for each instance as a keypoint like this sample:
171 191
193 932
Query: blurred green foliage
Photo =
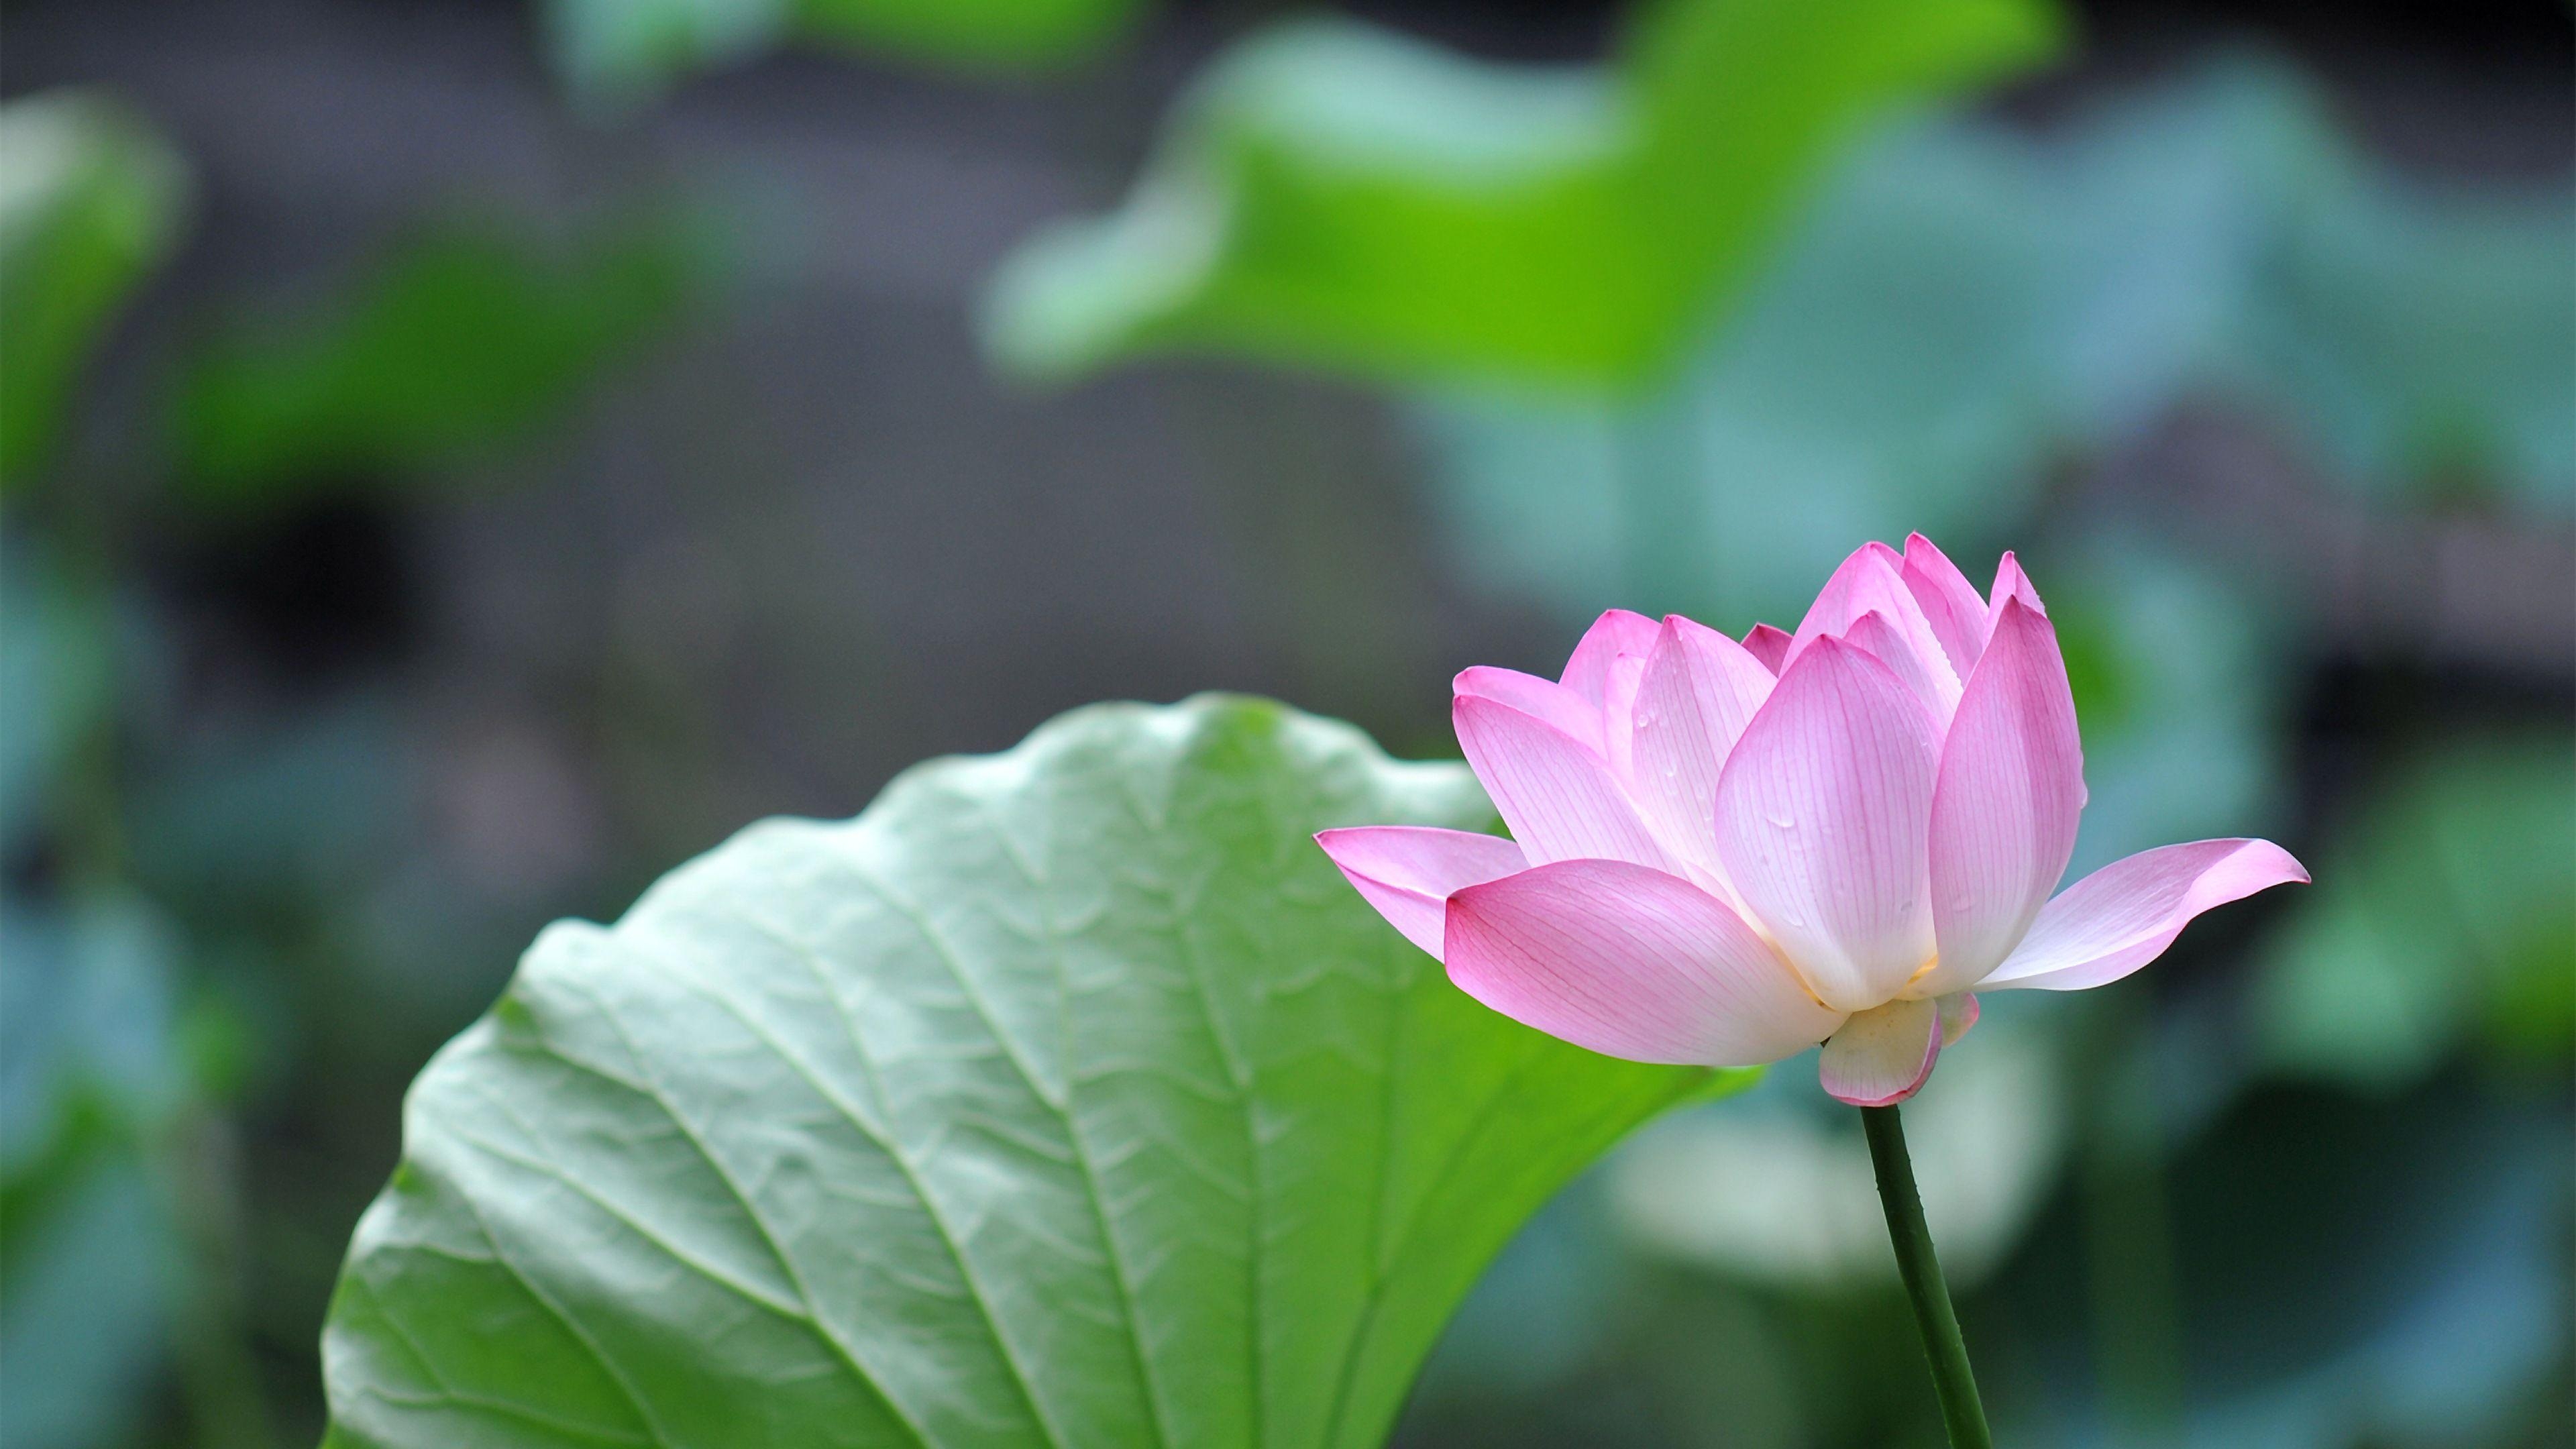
88 1321
95 1076
1120 1120
457 341
91 202
93 1042
2422 339
2181 740
1966 306
2314 1206
617 52
2446 917
2368 1272
101 1069
55 687
156 892
2344 1272
1774 1190
1336 195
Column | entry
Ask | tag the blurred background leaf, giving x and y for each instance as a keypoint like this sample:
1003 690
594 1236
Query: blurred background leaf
454 342
91 1031
2447 917
2423 1320
1777 1190
616 53
94 1073
56 686
86 1325
1966 307
1340 196
92 201
2257 352
2172 665
2420 337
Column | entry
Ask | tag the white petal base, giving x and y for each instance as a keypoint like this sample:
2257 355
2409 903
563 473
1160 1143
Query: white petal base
1883 1055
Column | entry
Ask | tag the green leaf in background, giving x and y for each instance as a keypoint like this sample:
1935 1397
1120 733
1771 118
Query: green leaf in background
1335 195
2178 678
457 341
55 684
1066 1096
2421 336
618 52
91 203
1966 304
2443 917
2435 1315
91 1074
1776 1190
1958 305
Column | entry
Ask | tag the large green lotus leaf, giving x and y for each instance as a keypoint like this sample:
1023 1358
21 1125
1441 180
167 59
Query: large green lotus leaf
619 51
459 339
91 202
2443 916
1065 1096
1336 195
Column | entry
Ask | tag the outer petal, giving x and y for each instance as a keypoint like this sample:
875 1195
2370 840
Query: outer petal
1557 795
1883 1055
1617 632
1950 602
1699 690
2124 915
1409 871
2004 810
1823 812
1544 698
1768 644
1631 962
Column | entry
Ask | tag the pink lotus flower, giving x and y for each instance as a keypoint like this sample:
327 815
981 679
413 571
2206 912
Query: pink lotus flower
1725 853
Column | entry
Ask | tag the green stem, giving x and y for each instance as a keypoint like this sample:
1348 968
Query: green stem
1952 1379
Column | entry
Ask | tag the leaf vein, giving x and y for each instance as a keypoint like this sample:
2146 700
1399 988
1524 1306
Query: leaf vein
884 1138
751 1211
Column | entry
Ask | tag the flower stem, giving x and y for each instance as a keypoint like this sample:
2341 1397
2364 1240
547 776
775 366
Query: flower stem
1952 1379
